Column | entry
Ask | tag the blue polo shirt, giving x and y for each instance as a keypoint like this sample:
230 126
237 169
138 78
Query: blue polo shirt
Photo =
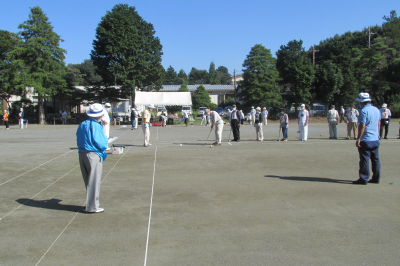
370 117
90 137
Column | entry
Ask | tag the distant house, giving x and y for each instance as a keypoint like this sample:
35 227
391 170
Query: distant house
231 79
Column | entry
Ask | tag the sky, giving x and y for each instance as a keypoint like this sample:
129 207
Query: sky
196 32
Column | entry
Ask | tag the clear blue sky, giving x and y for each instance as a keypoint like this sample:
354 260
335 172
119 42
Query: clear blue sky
195 32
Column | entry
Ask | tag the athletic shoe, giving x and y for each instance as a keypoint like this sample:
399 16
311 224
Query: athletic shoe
373 181
360 182
285 140
99 210
108 149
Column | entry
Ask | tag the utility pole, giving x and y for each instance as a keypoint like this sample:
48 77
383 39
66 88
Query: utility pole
234 83
313 55
369 37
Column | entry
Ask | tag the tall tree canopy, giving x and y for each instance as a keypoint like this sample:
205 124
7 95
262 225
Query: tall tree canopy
213 75
11 69
171 78
126 51
296 72
43 58
260 79
197 76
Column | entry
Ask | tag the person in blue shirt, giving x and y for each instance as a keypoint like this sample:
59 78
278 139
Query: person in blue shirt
92 143
368 140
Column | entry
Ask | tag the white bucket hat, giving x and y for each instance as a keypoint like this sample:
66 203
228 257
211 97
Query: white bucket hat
107 105
363 97
95 110
150 106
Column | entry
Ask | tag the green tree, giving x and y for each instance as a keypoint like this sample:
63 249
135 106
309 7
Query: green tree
126 52
213 75
223 74
183 87
296 72
328 81
198 76
260 79
42 56
182 77
201 98
11 69
171 78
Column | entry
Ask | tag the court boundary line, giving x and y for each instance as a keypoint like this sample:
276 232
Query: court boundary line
73 218
151 206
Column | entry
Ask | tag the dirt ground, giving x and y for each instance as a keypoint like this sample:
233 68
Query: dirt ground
180 202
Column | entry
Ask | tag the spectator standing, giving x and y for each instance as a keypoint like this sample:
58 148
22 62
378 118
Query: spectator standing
5 119
303 118
368 141
284 124
332 118
342 113
258 123
385 120
64 117
146 125
265 115
185 116
21 118
352 121
234 120
203 119
253 113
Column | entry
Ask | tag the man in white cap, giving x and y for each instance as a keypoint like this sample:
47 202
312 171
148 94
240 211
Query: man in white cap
258 125
253 113
352 121
146 125
105 121
21 118
332 118
368 140
385 120
134 117
92 143
303 122
216 121
265 116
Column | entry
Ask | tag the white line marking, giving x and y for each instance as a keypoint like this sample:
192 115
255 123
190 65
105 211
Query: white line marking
65 228
36 167
151 205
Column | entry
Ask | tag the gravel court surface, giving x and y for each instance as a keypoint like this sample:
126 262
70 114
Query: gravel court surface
249 203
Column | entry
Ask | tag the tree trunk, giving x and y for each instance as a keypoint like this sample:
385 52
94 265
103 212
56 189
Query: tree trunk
40 110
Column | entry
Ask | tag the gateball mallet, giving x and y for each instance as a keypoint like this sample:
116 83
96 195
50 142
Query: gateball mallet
208 136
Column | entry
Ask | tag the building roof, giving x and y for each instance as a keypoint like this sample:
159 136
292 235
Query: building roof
208 87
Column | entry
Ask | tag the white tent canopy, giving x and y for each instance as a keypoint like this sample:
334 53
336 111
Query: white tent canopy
162 98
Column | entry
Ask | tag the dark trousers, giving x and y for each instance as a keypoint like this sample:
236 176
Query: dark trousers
342 118
6 123
386 126
369 150
235 129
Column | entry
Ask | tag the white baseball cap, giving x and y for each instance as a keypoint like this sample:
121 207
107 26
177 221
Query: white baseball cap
150 106
384 105
363 97
302 105
95 110
265 108
107 105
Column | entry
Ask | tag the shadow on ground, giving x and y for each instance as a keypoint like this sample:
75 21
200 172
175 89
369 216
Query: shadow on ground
311 179
53 204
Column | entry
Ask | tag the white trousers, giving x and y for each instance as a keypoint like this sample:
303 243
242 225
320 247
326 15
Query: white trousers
219 126
146 133
203 120
136 122
259 131
303 130
265 121
21 123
